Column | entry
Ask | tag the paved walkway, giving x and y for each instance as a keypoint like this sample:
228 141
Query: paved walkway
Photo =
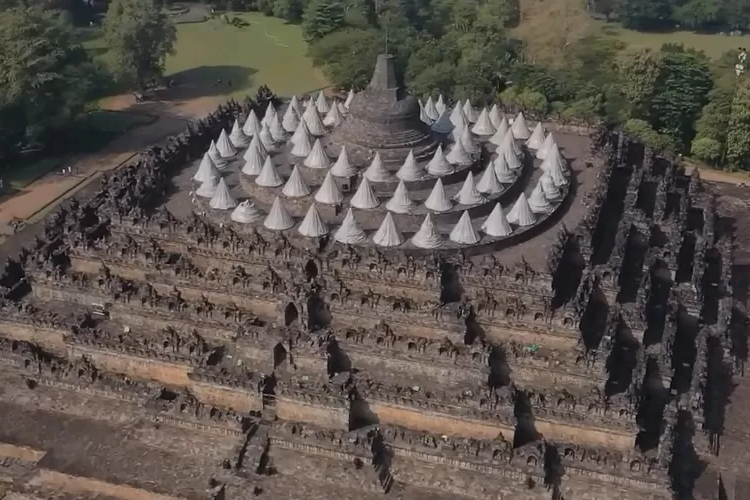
43 195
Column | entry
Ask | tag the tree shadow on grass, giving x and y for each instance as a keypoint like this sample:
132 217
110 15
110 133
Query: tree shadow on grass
206 81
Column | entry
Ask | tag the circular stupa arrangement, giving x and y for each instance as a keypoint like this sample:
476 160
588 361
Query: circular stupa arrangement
382 166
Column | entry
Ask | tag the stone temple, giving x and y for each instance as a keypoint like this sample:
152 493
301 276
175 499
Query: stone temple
384 118
380 297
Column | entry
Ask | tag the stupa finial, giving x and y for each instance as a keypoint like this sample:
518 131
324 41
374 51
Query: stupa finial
384 76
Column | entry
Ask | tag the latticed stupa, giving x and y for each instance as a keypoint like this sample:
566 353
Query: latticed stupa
324 315
384 118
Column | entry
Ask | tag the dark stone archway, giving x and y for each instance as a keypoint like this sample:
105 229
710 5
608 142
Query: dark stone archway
291 314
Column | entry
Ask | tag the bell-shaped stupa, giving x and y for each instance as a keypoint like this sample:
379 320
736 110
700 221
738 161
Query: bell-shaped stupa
438 201
384 118
464 233
497 224
350 232
388 234
427 236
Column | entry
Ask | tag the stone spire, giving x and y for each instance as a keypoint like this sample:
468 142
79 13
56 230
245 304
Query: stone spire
208 188
410 170
295 186
388 234
507 150
301 132
468 195
495 116
312 225
269 176
555 165
350 232
502 170
537 137
489 184
317 157
427 236
321 104
278 218
483 126
458 155
549 141
458 118
550 190
270 113
464 233
295 105
376 172
349 98
437 201
266 138
469 112
521 214
301 148
237 137
501 131
206 170
438 165
538 202
291 119
431 110
342 167
329 192
520 129
423 115
364 198
440 105
216 157
246 213
497 224
313 121
252 124
384 76
258 146
222 198
333 117
278 134
401 201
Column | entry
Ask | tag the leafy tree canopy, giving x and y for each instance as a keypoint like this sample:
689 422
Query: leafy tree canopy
140 35
44 76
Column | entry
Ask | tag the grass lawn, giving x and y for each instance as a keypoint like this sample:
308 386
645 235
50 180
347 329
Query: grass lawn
268 51
713 45
94 131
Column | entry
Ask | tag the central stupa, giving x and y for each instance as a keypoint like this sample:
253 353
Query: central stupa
384 118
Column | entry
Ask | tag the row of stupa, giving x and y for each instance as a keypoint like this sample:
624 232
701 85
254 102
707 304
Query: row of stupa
308 122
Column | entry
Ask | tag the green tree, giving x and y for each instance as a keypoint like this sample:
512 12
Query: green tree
639 72
700 14
533 101
348 56
321 18
291 10
681 92
738 135
44 76
140 35
642 131
645 14
707 150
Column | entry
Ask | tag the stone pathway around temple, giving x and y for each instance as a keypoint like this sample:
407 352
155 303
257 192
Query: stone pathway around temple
42 195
